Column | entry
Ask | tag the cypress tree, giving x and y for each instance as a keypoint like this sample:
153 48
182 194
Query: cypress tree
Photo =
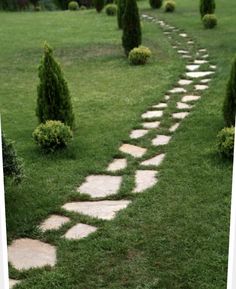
207 7
132 35
229 108
155 4
120 12
99 5
54 102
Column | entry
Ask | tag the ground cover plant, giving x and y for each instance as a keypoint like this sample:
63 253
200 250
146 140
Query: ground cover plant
176 234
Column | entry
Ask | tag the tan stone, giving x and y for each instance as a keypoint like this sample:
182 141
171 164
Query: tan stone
184 82
174 127
178 90
151 124
144 179
160 105
155 161
183 52
188 98
199 74
180 115
152 114
200 61
201 87
167 97
135 151
79 231
205 80
192 67
161 140
181 105
53 222
117 165
138 133
184 35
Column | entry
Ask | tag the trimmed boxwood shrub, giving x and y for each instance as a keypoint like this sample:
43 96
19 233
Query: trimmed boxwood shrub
156 4
225 141
111 9
73 6
99 5
209 21
52 135
207 7
139 55
169 6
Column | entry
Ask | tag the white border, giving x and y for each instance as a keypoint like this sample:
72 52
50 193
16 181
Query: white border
4 279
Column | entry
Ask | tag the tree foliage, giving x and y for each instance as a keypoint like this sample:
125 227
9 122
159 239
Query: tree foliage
120 12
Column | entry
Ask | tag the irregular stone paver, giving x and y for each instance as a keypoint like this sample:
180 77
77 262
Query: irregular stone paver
178 90
205 80
152 114
12 283
79 231
202 50
184 35
53 222
188 98
201 87
213 66
190 42
181 105
183 51
184 82
160 105
151 124
155 161
117 165
180 115
100 186
105 210
135 151
137 133
199 74
205 56
144 179
161 140
192 67
200 61
26 253
186 56
174 127
167 97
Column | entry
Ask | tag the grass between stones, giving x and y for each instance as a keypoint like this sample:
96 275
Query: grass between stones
175 234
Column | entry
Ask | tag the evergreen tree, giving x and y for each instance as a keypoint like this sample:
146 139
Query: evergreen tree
132 35
155 4
229 108
54 102
99 5
120 12
207 7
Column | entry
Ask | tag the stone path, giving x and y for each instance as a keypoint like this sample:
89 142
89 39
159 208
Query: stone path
175 106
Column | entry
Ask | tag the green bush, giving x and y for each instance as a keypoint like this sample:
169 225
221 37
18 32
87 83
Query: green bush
111 9
169 6
139 55
209 21
52 135
229 108
155 4
99 5
207 7
83 7
54 100
73 6
12 165
225 141
120 12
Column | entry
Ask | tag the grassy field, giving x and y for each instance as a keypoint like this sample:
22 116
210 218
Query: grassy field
175 236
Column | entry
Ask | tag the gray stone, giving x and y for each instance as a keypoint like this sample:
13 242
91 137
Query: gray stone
174 127
181 105
199 74
213 66
155 161
200 61
138 133
178 90
183 51
25 254
144 179
189 98
135 151
160 105
12 283
192 67
79 231
186 56
202 50
161 140
152 114
201 87
180 115
151 124
184 82
53 222
167 97
117 165
207 80
184 35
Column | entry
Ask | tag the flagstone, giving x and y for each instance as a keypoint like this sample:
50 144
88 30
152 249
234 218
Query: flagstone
135 151
153 124
186 56
200 86
184 82
205 80
138 133
205 56
117 165
192 67
200 61
144 179
25 254
100 185
213 66
178 90
13 282
161 140
79 231
105 210
181 105
167 97
53 222
174 127
183 51
202 50
184 35
155 161
152 114
180 115
188 98
198 74
160 105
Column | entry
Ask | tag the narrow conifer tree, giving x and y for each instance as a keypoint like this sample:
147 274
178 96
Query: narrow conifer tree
155 4
229 108
120 12
207 7
99 5
54 102
132 35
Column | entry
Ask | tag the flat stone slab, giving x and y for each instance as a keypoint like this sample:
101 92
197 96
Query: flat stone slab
138 133
167 97
161 140
134 151
184 35
117 165
100 186
79 231
213 66
181 105
25 254
183 51
189 98
198 74
144 179
200 61
205 56
178 90
186 56
53 222
200 87
152 114
151 124
105 210
180 115
160 105
202 50
174 127
192 67
184 82
155 161
12 283
207 80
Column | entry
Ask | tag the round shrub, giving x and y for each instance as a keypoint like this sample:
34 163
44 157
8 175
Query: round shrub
139 55
169 6
52 135
111 9
73 6
225 142
83 7
209 21
155 4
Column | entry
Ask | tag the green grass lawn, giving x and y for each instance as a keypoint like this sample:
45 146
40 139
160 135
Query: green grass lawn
177 232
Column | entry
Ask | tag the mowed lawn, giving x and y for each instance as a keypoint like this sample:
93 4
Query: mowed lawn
175 236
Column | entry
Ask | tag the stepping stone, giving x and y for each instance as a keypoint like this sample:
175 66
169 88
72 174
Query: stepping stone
201 87
137 133
100 186
200 61
166 32
174 46
160 105
205 56
178 90
190 42
174 127
184 82
192 67
152 114
53 222
181 105
184 35
135 151
202 50
12 283
155 161
25 254
79 231
180 115
167 97
199 74
205 80
117 165
183 52
105 210
213 66
144 179
188 98
186 56
161 140
153 124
